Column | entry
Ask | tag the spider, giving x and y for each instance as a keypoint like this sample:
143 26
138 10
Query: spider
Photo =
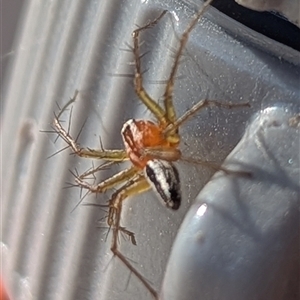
151 147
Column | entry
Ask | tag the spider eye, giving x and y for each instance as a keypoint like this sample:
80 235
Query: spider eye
164 179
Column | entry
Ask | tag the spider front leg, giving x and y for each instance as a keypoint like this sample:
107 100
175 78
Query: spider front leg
153 106
166 116
168 96
107 155
197 107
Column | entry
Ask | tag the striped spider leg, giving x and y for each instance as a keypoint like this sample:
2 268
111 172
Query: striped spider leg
151 147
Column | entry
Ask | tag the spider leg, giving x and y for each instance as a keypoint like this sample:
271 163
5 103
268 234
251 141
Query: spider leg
108 155
72 100
162 153
130 176
198 106
153 106
168 96
91 171
111 182
216 167
136 186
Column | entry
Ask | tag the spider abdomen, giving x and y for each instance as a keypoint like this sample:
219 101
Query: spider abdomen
164 180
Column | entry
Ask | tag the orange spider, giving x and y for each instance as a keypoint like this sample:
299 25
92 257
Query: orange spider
151 147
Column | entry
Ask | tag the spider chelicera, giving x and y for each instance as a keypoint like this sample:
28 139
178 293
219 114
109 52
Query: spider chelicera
151 147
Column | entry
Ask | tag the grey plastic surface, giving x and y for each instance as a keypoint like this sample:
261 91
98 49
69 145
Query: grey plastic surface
52 252
240 239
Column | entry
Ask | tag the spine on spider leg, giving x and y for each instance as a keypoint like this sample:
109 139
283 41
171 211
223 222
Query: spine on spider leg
72 100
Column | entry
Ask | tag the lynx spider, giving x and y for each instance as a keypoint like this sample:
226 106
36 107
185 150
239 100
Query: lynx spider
151 147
